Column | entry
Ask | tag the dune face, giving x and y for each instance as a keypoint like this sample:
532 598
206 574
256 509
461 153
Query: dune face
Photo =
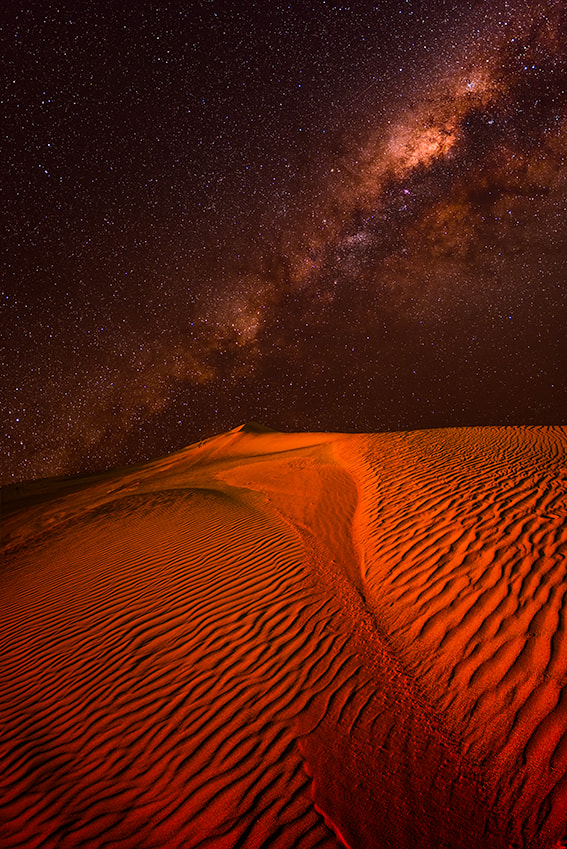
281 640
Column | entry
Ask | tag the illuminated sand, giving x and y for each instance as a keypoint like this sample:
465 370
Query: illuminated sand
273 640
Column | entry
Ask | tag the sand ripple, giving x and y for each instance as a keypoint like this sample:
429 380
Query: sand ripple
275 640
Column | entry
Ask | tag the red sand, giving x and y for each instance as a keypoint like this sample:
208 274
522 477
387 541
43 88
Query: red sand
307 640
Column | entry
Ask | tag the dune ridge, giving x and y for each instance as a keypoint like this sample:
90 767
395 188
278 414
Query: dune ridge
287 640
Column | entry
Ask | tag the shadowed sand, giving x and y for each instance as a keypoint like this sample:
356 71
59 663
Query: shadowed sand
280 640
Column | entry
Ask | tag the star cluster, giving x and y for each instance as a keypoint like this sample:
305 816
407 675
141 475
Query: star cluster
319 216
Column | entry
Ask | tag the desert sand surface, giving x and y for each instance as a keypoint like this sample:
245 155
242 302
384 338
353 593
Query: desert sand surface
291 640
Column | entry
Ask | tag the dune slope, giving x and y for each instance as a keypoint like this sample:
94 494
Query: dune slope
278 640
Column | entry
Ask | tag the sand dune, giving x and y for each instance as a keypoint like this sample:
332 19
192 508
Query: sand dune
281 640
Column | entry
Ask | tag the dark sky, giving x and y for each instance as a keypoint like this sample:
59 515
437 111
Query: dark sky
319 216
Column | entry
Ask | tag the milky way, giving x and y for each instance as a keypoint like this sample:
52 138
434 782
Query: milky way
333 218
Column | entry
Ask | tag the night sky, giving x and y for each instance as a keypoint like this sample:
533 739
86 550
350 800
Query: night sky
318 216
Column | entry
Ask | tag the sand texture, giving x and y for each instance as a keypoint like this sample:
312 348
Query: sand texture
291 640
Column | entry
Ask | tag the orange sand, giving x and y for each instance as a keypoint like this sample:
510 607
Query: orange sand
291 640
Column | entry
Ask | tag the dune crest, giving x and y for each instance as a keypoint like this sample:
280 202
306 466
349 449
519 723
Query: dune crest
287 640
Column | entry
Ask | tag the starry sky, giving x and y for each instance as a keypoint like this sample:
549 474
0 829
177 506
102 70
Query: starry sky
315 215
